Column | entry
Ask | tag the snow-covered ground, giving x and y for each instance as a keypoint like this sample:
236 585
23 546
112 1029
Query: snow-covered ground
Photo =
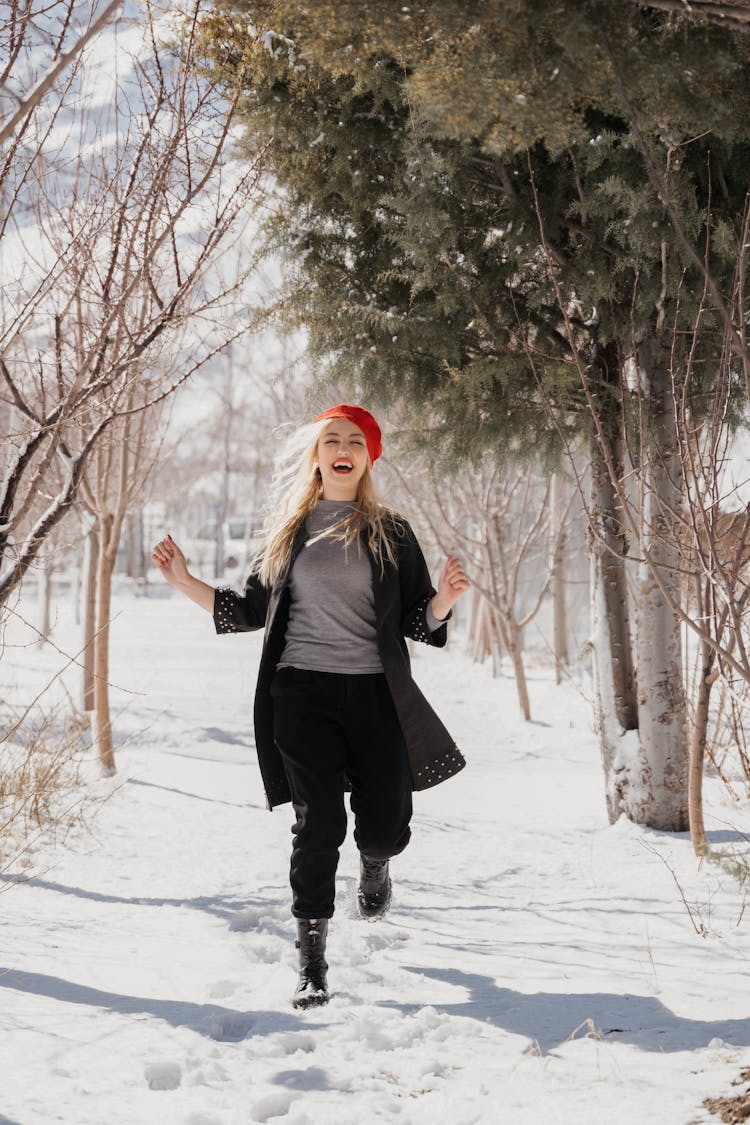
537 965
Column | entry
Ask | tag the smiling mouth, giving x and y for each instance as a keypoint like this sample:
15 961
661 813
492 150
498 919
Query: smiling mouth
343 467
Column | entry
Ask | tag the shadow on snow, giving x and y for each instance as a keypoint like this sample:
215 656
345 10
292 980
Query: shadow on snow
231 910
211 1020
550 1018
194 796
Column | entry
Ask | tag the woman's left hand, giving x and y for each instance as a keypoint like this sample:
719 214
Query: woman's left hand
453 583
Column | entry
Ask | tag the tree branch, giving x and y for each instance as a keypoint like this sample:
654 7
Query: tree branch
35 95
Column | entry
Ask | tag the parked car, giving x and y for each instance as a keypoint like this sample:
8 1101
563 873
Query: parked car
241 541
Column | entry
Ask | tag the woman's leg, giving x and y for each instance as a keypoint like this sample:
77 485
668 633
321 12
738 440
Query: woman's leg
311 741
378 769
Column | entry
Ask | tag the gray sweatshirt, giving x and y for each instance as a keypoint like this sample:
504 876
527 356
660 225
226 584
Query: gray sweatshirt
332 613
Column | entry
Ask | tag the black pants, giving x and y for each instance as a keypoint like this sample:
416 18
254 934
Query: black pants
331 728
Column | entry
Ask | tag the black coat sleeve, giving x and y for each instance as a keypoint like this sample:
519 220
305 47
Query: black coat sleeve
240 613
417 592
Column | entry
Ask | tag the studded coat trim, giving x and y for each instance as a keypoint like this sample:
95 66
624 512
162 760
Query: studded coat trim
402 594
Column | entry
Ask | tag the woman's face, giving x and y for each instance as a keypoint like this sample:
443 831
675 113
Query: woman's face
342 457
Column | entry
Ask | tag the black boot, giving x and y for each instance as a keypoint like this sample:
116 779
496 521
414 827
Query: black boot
312 987
374 894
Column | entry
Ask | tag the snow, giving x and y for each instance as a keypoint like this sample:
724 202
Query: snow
538 965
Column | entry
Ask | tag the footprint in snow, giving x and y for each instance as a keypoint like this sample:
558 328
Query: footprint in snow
267 953
227 1028
359 952
260 918
290 1042
222 989
387 940
311 1078
163 1075
273 1105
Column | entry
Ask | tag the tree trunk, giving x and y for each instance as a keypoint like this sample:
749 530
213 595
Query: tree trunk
557 579
615 709
515 651
101 648
136 556
495 640
661 800
226 470
45 600
91 565
475 623
78 587
482 635
698 750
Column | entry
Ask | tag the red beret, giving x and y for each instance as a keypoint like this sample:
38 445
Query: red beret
359 417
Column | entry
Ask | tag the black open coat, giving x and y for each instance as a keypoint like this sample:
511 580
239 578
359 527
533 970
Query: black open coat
402 594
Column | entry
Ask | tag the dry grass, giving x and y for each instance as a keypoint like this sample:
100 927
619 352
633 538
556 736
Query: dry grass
42 788
732 1109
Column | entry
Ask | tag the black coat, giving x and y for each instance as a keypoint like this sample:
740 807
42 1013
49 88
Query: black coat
402 594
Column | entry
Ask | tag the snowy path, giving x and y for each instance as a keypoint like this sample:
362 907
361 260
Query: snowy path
537 965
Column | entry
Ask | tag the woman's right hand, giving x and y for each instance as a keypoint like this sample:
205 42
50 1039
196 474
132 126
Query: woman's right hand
171 562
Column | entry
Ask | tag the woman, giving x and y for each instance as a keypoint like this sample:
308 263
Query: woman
338 585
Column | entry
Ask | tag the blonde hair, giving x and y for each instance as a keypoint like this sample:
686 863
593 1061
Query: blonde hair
296 488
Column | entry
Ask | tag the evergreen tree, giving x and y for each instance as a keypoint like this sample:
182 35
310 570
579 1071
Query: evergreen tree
489 208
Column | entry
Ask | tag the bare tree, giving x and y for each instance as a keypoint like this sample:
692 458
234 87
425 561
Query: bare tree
112 482
499 518
558 592
224 464
715 555
119 273
43 27
658 504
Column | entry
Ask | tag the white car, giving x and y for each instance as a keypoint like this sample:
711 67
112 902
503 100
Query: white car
241 541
